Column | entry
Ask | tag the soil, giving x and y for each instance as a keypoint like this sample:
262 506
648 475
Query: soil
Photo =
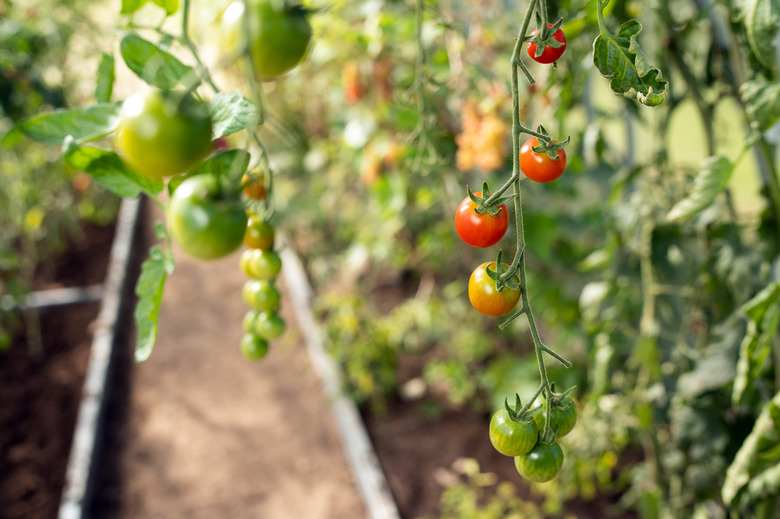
39 394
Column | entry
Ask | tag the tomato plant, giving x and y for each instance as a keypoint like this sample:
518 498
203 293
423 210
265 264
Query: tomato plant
510 436
259 234
161 134
549 54
542 463
205 223
254 185
480 229
540 167
563 416
485 296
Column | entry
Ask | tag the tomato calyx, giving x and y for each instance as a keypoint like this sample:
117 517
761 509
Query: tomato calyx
555 414
548 145
480 200
503 276
543 36
516 413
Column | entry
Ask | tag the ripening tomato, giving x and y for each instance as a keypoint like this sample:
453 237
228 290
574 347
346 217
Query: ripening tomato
485 297
254 185
260 264
541 463
539 166
259 234
512 437
480 230
549 54
163 134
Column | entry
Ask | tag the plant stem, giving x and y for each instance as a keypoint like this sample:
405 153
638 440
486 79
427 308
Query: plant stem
185 39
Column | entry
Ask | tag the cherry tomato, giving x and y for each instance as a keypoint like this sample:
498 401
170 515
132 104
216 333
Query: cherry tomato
480 230
248 324
541 463
549 54
259 234
510 437
260 264
203 224
277 35
269 325
261 295
254 347
484 296
254 185
163 134
563 417
539 166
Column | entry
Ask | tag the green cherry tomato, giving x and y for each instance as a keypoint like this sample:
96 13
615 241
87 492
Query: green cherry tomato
259 234
261 264
269 325
563 417
248 324
277 35
254 347
539 166
510 437
261 295
204 224
541 463
163 134
484 296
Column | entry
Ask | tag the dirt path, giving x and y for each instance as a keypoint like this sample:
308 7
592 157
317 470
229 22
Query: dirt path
212 435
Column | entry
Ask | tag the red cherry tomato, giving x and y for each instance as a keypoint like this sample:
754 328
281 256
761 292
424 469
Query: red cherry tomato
539 166
480 230
549 54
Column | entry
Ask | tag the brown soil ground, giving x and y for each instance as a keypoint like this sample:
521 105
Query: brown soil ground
207 433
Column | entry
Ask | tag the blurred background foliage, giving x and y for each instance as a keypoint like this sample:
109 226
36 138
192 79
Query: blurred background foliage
46 60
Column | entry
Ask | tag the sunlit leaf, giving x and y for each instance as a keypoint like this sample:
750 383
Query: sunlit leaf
762 102
105 79
231 113
762 21
170 6
149 289
619 58
83 124
708 184
155 66
131 6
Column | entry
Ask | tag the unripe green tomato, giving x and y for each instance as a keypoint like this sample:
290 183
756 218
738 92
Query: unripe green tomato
540 464
510 437
254 347
259 234
163 134
248 324
563 417
201 222
261 295
269 325
261 264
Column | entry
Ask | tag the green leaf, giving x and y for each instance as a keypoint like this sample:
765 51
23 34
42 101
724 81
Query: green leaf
108 169
149 289
228 163
621 59
105 79
761 19
231 113
155 66
170 6
753 475
131 6
83 124
763 314
708 184
762 103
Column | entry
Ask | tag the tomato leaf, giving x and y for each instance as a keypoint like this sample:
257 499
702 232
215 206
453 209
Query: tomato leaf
105 79
763 321
83 124
108 169
155 66
762 103
619 58
708 184
761 19
231 113
149 289
131 6
170 6
754 475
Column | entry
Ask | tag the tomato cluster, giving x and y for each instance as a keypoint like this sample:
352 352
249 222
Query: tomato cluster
538 457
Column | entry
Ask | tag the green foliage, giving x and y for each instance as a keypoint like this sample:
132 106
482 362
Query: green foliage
149 290
153 65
